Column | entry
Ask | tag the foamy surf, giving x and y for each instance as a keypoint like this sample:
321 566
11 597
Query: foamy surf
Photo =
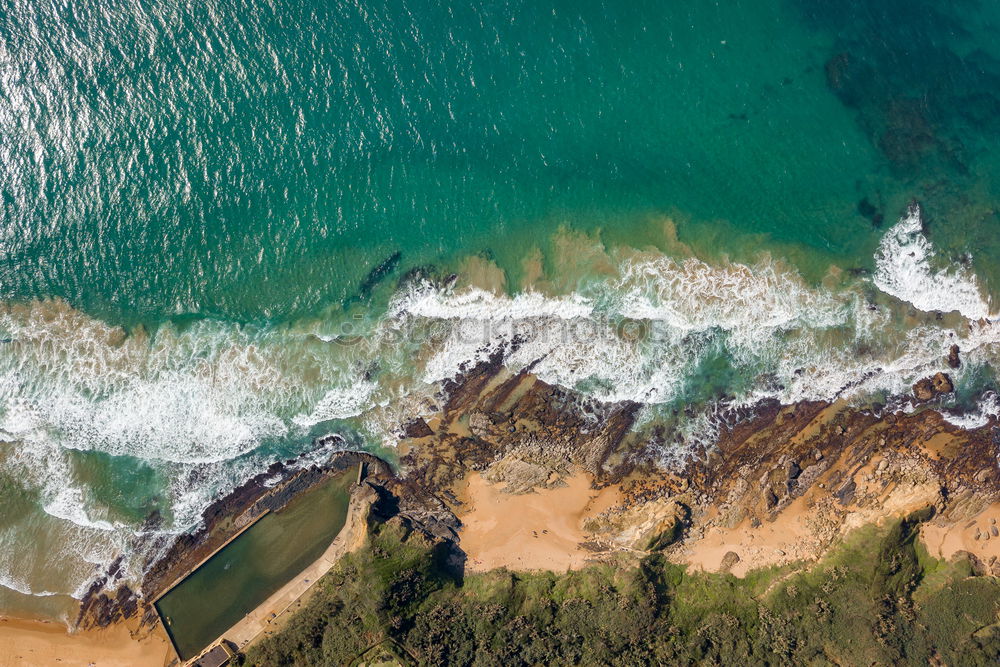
987 408
904 269
199 406
20 587
339 403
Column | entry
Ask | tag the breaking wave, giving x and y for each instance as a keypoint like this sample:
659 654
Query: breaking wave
643 334
903 268
987 408
208 405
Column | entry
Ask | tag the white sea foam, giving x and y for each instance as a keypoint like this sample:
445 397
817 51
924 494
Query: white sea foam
810 343
68 505
904 270
480 305
192 404
339 403
586 342
693 295
23 588
988 407
195 405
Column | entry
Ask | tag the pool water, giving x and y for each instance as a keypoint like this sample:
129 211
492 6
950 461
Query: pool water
242 575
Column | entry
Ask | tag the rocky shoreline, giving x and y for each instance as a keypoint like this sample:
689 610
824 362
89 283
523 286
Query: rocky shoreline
834 466
839 465
106 603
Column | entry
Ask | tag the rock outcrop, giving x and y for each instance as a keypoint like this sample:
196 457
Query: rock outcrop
834 466
929 388
519 431
954 360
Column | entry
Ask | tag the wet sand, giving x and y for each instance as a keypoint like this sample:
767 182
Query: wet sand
541 530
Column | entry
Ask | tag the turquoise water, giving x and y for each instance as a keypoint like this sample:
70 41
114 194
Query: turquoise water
215 219
252 567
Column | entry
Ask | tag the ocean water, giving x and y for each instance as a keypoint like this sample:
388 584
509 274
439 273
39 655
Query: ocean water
229 227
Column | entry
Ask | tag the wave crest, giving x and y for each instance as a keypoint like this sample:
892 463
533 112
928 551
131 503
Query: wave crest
903 269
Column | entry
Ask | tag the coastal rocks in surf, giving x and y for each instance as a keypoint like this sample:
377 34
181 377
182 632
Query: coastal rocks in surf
847 465
954 360
929 388
417 428
519 431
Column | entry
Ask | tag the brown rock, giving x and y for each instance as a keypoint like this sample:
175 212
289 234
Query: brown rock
667 530
978 567
728 561
942 383
923 390
953 359
928 388
417 428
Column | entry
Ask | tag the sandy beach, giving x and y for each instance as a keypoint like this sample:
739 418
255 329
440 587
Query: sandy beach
541 530
36 643
786 539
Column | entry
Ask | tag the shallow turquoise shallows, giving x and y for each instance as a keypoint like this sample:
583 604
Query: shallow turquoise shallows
255 160
215 219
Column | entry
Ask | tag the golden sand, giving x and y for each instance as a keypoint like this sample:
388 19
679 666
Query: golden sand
541 530
35 643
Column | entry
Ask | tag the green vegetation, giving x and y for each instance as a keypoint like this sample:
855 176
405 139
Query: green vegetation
876 599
